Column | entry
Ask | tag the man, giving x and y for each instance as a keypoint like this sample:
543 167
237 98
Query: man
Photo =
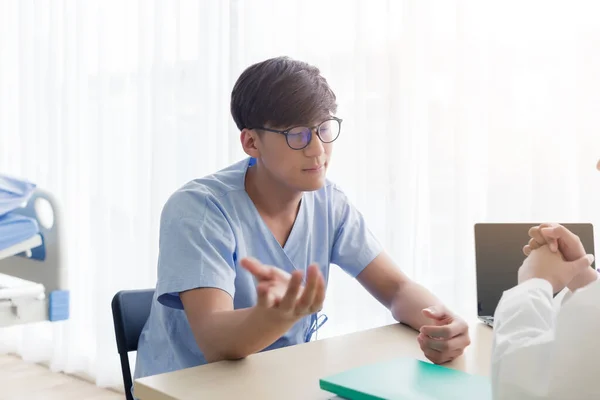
245 253
540 352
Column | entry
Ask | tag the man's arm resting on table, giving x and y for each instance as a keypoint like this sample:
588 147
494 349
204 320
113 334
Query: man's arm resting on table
392 288
524 330
223 333
443 336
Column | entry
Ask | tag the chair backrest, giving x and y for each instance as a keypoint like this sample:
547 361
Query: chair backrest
130 309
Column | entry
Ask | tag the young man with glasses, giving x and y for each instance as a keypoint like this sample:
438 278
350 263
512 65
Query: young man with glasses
245 252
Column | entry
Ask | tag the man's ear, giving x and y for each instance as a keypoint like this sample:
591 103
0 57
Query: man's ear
250 142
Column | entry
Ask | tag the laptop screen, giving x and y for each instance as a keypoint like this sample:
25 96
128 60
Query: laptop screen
499 254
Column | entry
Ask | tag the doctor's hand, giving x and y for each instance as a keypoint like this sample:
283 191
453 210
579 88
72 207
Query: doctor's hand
446 338
283 293
560 239
544 264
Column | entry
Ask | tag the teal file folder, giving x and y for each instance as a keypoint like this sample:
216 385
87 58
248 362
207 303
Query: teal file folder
407 379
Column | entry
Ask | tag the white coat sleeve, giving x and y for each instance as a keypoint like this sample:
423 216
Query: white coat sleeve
523 336
538 354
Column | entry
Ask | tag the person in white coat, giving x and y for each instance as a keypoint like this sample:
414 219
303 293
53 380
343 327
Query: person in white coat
544 350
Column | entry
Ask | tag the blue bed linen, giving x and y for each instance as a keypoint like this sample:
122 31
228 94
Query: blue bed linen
15 229
13 194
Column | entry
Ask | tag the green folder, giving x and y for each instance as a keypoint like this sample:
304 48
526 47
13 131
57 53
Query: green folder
407 378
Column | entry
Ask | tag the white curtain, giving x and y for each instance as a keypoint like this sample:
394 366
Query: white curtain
455 112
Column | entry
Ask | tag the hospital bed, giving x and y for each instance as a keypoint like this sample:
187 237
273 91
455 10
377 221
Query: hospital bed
32 277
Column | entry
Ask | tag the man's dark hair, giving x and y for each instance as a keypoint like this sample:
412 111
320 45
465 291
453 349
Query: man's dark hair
281 92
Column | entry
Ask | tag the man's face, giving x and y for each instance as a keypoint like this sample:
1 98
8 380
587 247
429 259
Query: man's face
598 165
302 170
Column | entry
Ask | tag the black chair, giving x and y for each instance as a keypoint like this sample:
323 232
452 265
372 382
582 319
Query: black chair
130 309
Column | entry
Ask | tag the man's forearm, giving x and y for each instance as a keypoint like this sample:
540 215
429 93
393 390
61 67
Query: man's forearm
231 335
409 302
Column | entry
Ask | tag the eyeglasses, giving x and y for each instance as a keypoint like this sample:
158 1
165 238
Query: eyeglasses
299 137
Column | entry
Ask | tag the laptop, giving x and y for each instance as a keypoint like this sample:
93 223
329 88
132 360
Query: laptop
499 254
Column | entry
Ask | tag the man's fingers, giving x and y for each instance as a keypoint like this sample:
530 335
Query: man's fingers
435 312
310 290
278 273
534 244
266 298
443 345
536 237
540 236
581 264
441 358
288 301
262 292
256 268
438 357
449 331
444 331
554 233
546 225
435 356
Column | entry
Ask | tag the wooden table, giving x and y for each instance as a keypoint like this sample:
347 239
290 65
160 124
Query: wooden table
294 372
